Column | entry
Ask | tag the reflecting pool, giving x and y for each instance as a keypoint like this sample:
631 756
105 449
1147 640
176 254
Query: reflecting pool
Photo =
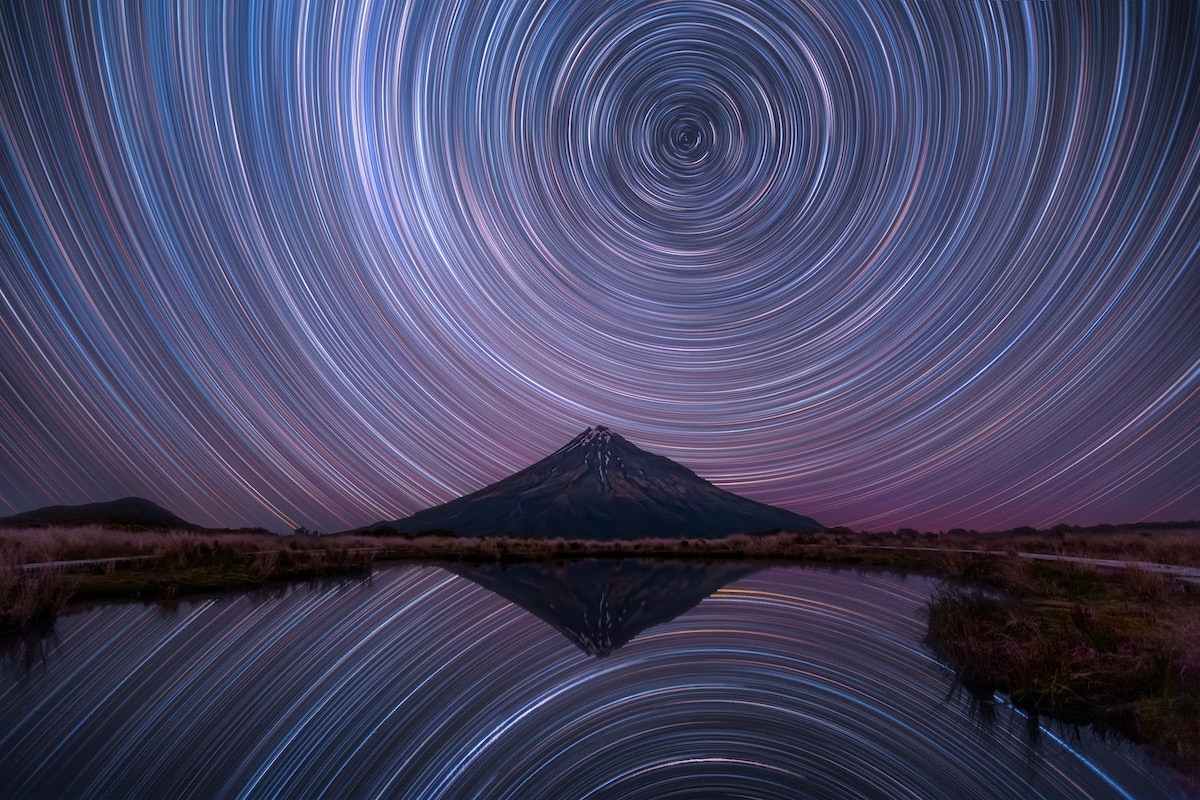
421 683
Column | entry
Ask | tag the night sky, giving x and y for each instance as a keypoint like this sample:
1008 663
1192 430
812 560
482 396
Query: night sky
926 264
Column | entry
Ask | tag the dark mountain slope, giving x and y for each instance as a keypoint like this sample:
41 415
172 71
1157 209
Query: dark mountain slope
599 486
128 512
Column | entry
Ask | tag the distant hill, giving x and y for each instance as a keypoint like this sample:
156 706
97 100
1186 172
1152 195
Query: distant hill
128 512
599 486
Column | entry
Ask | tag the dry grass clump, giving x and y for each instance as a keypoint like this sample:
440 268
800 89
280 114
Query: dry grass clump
152 564
29 599
1161 544
1115 649
437 547
84 542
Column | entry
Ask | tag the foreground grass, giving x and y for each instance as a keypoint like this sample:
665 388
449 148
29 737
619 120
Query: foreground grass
152 565
1115 649
29 599
160 565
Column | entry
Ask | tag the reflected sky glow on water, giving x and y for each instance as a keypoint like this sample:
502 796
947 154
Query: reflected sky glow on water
789 683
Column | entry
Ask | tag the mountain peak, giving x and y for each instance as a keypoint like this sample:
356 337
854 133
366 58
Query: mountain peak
592 438
600 486
598 448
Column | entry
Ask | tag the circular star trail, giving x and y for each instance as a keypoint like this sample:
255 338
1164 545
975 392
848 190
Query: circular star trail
927 264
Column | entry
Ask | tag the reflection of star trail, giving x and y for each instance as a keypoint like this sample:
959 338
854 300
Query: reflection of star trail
788 683
927 263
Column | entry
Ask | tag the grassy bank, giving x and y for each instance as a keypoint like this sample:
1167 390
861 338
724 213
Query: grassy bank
1115 649
152 565
169 564
29 599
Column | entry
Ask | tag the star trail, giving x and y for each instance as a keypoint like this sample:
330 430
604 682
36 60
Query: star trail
930 264
791 683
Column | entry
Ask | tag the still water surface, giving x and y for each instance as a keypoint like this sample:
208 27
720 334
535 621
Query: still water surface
787 683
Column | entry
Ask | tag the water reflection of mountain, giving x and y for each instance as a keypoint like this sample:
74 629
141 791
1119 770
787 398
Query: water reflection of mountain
601 604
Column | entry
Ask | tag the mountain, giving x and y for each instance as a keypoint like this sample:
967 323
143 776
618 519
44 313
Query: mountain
599 486
128 512
600 604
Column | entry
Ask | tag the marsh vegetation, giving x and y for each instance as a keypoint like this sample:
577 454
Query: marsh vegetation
1112 648
35 584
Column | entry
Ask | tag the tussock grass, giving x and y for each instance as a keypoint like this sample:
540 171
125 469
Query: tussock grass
491 548
1116 649
29 599
1156 543
155 565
